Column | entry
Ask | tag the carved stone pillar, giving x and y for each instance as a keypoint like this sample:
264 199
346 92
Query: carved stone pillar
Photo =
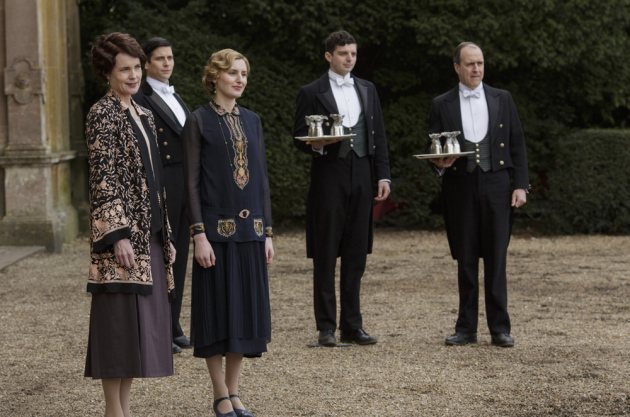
76 85
35 152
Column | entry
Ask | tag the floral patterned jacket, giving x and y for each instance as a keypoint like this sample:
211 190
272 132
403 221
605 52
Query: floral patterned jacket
119 200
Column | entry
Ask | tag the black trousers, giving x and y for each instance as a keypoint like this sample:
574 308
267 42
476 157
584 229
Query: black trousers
178 219
340 212
478 217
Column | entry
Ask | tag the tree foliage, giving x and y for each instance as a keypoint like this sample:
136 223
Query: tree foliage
562 61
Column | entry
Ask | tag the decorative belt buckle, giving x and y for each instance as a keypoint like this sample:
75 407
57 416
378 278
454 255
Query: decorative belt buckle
243 214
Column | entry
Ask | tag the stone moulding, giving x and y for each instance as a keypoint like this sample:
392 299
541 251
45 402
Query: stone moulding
23 80
35 158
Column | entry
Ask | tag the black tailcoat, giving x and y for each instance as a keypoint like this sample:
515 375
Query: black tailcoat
477 205
168 131
339 205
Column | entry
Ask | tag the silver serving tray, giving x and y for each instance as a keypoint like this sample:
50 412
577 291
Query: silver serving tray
442 155
325 137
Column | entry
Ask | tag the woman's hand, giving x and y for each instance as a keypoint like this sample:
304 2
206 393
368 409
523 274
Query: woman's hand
204 254
124 253
269 250
173 253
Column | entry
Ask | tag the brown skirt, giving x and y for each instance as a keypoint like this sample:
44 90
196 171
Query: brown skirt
130 334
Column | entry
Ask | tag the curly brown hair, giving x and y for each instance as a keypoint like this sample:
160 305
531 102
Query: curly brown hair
338 38
107 46
218 62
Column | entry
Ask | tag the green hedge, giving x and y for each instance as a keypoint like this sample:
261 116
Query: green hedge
415 187
589 189
405 49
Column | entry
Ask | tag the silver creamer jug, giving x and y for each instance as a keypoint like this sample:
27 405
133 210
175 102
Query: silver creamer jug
436 145
337 126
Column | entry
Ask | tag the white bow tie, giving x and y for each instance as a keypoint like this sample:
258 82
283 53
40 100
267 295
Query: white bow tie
345 81
471 93
167 89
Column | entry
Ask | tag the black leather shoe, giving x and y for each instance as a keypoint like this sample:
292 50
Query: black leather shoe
358 336
461 339
327 338
176 349
502 340
182 341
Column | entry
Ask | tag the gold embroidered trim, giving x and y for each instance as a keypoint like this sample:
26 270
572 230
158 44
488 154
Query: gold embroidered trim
234 124
108 217
239 145
226 227
258 227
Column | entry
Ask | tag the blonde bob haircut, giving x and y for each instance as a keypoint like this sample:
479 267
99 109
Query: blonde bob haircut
217 63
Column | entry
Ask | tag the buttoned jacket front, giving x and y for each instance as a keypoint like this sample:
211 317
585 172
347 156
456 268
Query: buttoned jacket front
507 143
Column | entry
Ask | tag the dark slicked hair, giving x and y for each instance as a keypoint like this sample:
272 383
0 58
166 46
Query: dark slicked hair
152 44
339 38
457 54
106 47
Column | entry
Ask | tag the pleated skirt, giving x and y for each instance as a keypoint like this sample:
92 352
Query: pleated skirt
230 309
130 334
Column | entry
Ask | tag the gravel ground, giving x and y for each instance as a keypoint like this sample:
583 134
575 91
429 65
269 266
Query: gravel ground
569 302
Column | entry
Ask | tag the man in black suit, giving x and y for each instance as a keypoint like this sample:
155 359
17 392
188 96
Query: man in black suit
341 194
480 191
170 113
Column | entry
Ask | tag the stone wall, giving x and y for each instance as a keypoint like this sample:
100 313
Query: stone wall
41 160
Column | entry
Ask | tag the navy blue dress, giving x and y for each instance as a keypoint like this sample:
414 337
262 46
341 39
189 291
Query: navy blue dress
228 188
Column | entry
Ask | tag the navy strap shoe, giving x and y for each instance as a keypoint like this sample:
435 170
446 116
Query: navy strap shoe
241 412
215 407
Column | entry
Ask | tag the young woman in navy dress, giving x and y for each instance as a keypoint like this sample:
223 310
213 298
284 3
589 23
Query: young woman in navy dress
228 189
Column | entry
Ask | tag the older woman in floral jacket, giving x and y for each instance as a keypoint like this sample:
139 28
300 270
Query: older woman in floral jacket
131 253
120 201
